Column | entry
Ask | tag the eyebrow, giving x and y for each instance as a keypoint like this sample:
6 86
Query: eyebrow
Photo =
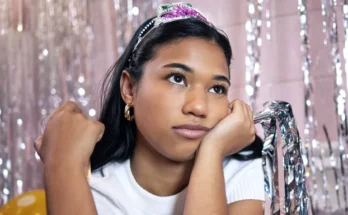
222 78
190 70
179 66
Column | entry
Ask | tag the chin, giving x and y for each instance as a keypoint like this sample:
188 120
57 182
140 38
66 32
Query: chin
178 149
181 156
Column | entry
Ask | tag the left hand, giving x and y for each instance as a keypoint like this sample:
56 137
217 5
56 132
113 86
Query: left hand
69 139
233 133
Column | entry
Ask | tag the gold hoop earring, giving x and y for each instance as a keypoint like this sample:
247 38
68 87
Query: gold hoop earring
127 113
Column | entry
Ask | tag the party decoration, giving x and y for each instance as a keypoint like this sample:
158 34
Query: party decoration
345 25
46 60
279 126
334 168
130 15
254 42
310 132
5 162
267 6
330 29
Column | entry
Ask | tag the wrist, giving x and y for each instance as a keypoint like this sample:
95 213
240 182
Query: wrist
211 150
61 168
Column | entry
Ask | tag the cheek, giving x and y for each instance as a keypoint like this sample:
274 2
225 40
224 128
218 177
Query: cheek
219 109
156 105
146 107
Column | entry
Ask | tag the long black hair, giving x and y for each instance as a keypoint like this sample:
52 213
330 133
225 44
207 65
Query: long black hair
118 141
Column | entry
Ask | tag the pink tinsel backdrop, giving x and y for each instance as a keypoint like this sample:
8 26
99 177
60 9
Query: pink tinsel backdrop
58 50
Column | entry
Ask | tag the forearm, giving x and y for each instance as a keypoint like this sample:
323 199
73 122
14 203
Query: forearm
206 190
68 192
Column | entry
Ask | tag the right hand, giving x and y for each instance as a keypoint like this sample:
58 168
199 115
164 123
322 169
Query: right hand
233 133
69 138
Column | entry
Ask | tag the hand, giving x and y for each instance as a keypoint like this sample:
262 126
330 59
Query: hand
69 138
234 132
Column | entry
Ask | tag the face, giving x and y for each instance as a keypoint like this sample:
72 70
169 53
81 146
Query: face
181 96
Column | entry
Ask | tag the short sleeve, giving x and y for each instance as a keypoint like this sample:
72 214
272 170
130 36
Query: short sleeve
247 182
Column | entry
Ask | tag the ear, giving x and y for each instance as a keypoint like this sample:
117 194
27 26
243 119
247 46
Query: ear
127 87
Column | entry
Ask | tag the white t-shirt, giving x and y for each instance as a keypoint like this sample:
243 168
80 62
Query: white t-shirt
118 193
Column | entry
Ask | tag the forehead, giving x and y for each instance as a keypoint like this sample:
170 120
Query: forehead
197 53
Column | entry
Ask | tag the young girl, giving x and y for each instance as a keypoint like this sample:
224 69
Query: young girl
168 140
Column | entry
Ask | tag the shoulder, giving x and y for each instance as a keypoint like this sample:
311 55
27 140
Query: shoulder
243 179
233 168
106 178
105 184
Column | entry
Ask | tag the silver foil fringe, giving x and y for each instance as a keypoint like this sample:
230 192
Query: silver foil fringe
280 129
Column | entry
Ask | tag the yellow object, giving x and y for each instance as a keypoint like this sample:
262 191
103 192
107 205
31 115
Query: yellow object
29 203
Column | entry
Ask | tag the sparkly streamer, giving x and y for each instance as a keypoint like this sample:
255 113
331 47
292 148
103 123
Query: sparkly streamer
326 195
268 18
15 106
254 42
46 60
330 29
50 91
5 179
345 25
279 127
333 165
123 19
310 132
64 56
129 18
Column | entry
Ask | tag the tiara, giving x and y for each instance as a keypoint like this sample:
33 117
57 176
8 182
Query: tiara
169 13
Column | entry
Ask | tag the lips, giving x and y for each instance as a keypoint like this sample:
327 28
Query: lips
191 131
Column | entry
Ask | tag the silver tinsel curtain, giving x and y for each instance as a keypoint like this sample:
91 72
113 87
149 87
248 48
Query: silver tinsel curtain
46 58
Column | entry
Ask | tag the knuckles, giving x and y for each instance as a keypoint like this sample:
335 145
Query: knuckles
66 112
252 139
69 104
96 126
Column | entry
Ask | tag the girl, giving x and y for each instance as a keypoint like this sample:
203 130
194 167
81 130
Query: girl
171 138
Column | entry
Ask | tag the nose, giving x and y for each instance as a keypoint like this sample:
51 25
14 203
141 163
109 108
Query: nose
196 102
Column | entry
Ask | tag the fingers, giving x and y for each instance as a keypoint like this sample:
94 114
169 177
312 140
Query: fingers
37 143
236 106
250 113
98 128
70 106
67 107
251 120
246 111
239 107
37 146
229 110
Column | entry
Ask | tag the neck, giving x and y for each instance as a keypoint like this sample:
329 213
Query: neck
156 173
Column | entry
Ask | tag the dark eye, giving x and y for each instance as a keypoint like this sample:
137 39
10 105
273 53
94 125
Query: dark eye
177 79
218 89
